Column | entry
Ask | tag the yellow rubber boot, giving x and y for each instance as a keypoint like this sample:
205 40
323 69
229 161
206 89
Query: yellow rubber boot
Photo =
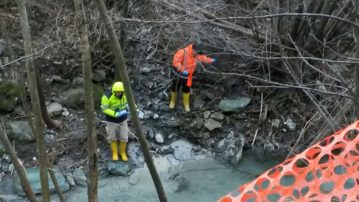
123 151
186 102
114 150
173 100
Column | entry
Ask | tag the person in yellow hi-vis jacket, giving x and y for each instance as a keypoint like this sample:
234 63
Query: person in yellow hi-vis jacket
114 106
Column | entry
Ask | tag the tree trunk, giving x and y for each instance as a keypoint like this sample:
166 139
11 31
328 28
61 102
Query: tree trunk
92 187
56 183
356 33
38 125
20 169
45 115
120 60
20 75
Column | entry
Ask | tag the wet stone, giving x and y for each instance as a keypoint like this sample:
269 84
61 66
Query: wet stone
159 138
79 177
119 168
212 124
34 179
217 116
227 105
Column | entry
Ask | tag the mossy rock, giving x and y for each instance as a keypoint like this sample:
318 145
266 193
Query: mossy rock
75 97
9 95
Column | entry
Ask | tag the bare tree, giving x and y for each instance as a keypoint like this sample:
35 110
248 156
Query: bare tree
92 192
38 124
20 169
356 34
120 60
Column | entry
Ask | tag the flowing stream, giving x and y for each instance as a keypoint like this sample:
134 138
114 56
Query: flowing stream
201 180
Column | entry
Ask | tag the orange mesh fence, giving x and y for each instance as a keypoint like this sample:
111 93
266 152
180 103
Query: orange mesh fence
327 171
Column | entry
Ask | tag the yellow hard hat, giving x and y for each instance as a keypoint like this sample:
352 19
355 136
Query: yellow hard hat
118 87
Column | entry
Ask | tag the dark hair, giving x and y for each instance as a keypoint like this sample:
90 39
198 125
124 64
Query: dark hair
197 47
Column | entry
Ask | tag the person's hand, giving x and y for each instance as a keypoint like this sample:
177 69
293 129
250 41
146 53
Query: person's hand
213 60
121 113
185 73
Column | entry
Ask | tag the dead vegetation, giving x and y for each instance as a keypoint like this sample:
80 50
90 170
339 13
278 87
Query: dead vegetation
294 59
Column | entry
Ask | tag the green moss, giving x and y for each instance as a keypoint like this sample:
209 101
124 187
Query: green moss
9 95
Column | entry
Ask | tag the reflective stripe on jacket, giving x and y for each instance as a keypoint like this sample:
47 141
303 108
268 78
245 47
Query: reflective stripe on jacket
110 104
185 60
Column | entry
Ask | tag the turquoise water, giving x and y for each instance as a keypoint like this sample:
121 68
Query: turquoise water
218 180
195 180
202 180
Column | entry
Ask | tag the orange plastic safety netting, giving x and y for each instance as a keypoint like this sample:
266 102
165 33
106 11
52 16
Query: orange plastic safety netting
327 171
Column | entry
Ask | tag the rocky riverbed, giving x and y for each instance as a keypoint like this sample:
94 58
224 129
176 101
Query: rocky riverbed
186 176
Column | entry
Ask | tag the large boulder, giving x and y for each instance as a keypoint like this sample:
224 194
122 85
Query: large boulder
231 105
34 179
231 148
75 97
9 95
19 130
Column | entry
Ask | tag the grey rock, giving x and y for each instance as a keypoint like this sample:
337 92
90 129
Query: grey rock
206 114
20 130
145 70
218 116
99 75
34 178
50 140
54 109
74 97
77 82
151 133
70 179
197 123
119 168
57 79
156 116
141 115
79 177
212 124
6 158
182 150
170 136
135 154
198 103
269 147
159 138
231 148
228 105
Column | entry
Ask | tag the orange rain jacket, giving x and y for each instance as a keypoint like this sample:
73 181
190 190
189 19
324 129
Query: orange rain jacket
186 60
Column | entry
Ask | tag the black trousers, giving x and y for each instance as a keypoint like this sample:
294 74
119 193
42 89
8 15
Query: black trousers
179 83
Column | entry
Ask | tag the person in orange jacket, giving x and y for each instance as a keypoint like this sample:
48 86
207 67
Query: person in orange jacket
184 63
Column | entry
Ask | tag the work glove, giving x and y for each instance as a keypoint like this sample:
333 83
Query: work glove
213 60
121 114
185 73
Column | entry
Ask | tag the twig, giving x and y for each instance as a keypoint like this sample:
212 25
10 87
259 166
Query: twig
259 120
